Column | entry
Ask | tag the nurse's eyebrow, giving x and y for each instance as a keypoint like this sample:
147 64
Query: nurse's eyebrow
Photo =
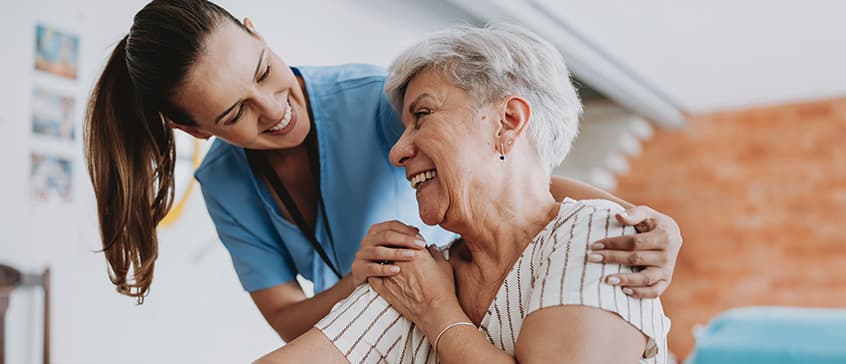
255 75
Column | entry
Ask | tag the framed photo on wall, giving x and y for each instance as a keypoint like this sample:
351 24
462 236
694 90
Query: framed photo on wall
56 52
50 178
52 115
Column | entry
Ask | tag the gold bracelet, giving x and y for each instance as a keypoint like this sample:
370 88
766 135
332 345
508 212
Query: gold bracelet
444 330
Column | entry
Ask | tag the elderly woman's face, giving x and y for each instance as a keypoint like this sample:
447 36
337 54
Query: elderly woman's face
447 148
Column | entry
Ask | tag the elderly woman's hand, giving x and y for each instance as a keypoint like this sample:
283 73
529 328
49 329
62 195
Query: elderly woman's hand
655 249
423 283
384 245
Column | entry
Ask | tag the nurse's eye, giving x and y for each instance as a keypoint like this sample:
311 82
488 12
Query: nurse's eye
265 74
237 116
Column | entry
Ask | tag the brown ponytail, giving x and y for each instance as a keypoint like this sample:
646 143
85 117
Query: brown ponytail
130 154
129 146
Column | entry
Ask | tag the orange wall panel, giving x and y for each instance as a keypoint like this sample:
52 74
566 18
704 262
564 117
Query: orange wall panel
760 196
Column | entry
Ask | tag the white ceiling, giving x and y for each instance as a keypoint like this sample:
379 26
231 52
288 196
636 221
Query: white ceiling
719 54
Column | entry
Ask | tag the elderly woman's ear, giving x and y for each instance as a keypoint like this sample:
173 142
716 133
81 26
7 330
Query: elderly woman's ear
513 121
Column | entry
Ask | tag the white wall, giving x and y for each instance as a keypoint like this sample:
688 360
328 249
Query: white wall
196 311
721 54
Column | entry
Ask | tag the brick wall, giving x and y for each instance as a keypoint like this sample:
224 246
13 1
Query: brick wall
760 196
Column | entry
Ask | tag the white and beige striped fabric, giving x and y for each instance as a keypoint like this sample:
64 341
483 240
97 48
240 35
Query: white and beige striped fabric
552 271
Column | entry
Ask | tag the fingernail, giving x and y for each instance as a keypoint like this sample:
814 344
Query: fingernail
624 214
597 246
408 253
393 269
613 281
420 243
628 291
594 258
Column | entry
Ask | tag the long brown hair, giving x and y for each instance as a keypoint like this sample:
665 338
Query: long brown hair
129 146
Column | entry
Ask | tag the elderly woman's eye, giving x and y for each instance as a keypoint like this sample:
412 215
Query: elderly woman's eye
419 114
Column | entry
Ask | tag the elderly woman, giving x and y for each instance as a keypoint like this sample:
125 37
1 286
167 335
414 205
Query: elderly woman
488 113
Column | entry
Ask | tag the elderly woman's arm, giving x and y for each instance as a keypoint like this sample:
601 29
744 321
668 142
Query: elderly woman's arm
311 347
655 248
589 334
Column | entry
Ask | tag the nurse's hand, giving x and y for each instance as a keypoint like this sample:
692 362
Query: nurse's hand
653 250
384 244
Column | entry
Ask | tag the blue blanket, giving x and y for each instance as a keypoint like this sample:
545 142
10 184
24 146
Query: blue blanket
773 335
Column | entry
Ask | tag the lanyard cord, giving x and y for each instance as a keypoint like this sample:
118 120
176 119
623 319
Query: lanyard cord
262 167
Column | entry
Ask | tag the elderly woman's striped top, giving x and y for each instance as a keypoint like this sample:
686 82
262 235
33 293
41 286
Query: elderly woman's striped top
552 271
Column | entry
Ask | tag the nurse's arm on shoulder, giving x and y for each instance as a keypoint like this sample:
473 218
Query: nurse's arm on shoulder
654 248
286 307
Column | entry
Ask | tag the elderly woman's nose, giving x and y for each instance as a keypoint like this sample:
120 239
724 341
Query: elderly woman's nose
402 151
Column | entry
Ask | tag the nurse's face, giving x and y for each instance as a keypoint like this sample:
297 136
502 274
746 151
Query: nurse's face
240 91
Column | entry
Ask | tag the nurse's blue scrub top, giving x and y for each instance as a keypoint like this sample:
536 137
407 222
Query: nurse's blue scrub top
356 127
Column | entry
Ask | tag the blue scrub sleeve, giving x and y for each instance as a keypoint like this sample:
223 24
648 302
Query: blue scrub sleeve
259 263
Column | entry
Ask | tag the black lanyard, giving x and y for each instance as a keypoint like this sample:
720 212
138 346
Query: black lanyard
261 167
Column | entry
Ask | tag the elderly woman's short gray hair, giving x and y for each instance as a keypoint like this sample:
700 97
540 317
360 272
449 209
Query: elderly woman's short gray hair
492 63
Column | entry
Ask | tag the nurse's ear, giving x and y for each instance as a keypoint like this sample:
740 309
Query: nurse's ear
249 25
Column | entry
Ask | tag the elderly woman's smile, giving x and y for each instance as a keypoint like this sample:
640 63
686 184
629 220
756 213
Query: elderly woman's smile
422 177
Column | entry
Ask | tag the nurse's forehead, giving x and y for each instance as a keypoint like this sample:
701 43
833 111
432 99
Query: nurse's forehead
229 53
222 73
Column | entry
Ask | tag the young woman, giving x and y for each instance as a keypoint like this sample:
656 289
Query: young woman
297 176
